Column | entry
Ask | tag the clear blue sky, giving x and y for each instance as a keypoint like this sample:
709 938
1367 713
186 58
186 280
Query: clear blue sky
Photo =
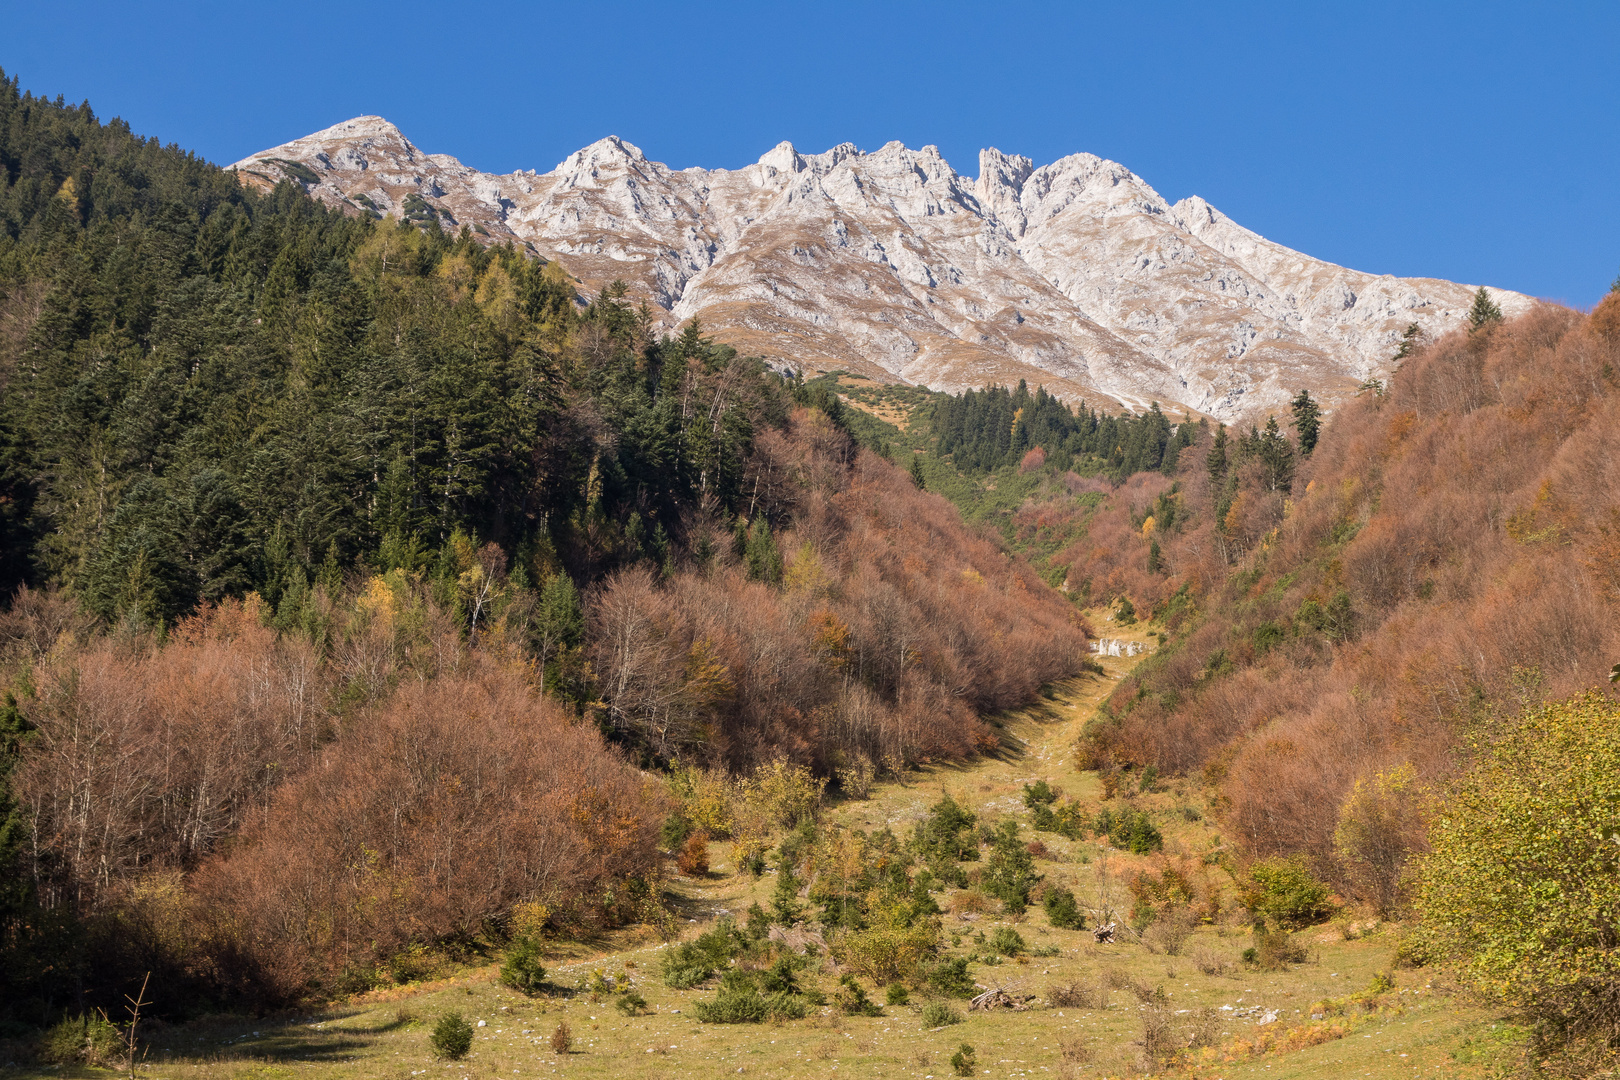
1478 142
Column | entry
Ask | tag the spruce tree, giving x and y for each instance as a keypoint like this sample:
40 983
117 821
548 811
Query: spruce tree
762 556
1277 455
1307 422
1484 312
1217 461
1409 342
917 473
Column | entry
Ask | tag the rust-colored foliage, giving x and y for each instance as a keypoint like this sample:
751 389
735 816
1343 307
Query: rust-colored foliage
894 629
147 758
1450 552
447 805
693 858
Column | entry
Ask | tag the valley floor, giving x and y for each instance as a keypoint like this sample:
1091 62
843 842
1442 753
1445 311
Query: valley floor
1415 1029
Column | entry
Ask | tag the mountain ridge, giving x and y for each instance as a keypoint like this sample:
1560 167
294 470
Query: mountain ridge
1076 274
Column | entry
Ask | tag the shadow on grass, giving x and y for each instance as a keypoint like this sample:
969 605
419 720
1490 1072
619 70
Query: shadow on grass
305 1039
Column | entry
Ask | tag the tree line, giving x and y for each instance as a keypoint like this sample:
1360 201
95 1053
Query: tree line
984 430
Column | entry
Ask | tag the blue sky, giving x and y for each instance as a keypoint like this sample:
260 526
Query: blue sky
1478 142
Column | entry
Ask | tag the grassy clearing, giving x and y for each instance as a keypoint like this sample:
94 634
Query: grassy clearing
1130 997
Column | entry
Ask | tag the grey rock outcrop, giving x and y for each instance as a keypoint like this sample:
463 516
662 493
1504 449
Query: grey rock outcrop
1076 275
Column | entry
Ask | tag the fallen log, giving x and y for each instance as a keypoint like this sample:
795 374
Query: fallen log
1000 999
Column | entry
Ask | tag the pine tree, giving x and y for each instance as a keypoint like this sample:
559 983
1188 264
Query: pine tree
1217 461
763 558
1409 342
1307 422
917 473
1277 455
1484 312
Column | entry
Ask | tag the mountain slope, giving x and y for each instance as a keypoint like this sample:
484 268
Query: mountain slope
1076 275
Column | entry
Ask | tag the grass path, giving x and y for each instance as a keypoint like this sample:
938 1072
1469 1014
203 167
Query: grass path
384 1035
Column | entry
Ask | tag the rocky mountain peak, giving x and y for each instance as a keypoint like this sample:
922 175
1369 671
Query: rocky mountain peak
782 158
360 127
1076 275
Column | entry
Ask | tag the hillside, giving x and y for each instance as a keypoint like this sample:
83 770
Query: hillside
1439 559
1133 1007
1074 275
306 512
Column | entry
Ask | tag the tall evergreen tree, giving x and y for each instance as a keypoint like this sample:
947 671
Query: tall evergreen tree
1276 456
1216 460
1307 422
1409 342
1484 312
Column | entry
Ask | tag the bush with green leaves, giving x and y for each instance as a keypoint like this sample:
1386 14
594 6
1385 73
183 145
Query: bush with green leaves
937 1014
451 1038
673 833
950 978
1008 942
630 1003
739 1001
1068 819
898 939
1061 909
90 1039
692 962
1040 793
1520 893
1130 829
947 834
1009 872
897 994
853 1000
1283 892
964 1061
522 970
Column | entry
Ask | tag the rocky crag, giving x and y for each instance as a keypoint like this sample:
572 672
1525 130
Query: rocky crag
891 265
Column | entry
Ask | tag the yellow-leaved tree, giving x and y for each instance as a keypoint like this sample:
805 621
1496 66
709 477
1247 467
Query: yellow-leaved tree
1521 891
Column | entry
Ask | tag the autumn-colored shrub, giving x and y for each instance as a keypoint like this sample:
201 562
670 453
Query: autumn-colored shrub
421 824
1382 824
693 860
148 758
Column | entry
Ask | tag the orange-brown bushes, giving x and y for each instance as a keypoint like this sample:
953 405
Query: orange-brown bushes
249 815
430 819
148 757
894 627
1451 551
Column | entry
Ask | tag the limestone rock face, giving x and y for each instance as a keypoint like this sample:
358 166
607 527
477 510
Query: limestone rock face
1076 275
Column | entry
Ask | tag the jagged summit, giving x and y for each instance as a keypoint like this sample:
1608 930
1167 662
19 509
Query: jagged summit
1076 274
